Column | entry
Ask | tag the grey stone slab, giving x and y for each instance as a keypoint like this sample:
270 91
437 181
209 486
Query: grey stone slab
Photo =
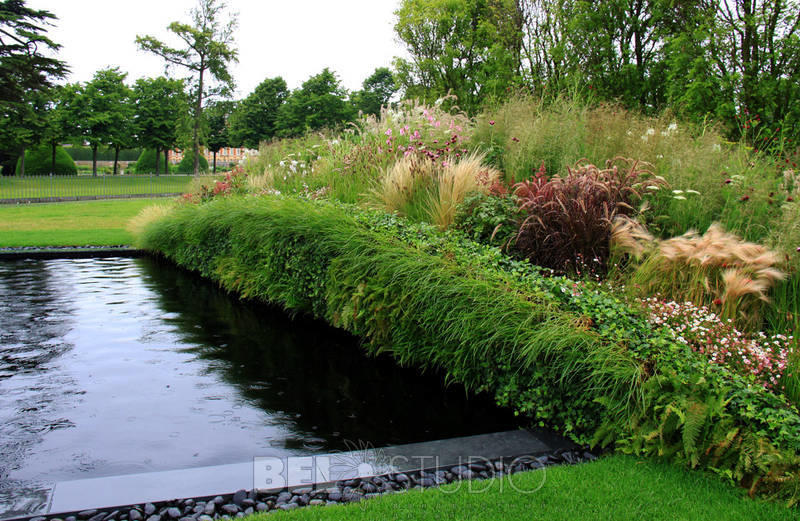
298 471
129 489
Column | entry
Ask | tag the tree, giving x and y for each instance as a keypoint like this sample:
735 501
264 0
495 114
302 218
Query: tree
25 73
23 66
207 49
59 127
376 91
22 126
755 51
160 109
103 111
468 48
254 118
217 119
320 102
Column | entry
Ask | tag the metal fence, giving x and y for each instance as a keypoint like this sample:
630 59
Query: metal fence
77 187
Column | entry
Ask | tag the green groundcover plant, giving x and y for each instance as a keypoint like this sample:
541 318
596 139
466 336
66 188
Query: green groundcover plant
567 354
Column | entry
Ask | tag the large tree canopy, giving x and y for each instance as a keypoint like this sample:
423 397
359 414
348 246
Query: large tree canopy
103 111
160 109
207 48
254 118
24 64
467 48
376 91
321 102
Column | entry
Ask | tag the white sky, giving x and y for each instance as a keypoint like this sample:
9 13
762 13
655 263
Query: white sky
290 38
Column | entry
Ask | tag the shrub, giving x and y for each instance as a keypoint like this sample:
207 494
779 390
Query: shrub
186 166
717 270
235 182
567 221
39 161
146 164
489 219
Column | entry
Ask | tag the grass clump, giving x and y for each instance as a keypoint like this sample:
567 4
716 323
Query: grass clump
716 269
418 187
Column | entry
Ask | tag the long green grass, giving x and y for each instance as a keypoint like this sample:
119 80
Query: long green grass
85 223
615 488
33 187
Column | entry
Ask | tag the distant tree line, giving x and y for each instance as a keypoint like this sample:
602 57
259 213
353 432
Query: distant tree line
733 62
158 114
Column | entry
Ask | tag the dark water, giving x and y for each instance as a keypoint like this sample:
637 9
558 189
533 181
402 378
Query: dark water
117 366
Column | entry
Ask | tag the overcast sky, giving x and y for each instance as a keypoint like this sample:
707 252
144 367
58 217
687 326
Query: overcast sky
289 38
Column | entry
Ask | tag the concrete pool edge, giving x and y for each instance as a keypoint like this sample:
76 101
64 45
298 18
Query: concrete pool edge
417 464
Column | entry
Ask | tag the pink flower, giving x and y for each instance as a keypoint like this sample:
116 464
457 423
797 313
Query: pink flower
389 132
491 122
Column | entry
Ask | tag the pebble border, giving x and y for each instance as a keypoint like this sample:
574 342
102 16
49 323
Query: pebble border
243 502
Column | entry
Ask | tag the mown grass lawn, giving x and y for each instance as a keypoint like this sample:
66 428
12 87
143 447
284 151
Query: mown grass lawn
84 223
87 185
613 488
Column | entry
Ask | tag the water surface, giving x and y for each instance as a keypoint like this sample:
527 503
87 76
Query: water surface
117 366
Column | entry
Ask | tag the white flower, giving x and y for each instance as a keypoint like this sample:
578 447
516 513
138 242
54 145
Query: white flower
695 192
677 192
672 127
679 197
651 132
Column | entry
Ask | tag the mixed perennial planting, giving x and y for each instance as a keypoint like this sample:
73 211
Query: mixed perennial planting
578 296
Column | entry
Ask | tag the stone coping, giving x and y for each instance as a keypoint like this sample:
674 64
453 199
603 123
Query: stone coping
269 477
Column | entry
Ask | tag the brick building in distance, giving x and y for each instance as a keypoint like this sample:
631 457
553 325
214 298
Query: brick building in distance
225 157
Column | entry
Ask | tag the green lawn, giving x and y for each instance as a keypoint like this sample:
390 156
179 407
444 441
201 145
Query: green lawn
613 488
96 223
86 185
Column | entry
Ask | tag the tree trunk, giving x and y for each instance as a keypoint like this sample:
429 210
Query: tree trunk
158 163
198 113
215 162
21 172
53 158
94 160
166 161
116 159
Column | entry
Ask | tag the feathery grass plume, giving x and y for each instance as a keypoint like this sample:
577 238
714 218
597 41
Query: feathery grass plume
259 183
716 269
397 185
148 215
453 182
630 237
